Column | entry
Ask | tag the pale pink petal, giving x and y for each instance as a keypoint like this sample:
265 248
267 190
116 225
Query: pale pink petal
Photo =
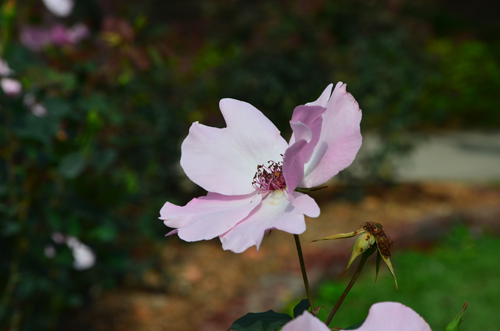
305 205
311 116
10 86
274 212
293 165
393 316
209 216
225 160
340 139
323 98
306 322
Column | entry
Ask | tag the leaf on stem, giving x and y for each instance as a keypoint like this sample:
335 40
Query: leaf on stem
266 321
300 307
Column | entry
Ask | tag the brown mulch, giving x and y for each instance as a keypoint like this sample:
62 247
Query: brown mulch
202 287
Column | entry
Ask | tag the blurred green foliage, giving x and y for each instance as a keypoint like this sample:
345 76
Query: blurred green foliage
104 158
435 284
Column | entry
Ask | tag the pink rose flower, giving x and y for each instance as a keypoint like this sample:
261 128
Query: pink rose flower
383 316
251 172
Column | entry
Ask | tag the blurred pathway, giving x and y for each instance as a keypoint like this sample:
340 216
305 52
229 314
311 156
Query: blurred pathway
460 156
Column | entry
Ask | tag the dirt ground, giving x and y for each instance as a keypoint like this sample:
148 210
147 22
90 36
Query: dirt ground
202 287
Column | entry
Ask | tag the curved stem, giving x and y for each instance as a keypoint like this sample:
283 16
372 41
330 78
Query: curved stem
303 269
364 257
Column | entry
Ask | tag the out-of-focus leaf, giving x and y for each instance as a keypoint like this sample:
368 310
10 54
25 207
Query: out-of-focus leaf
72 165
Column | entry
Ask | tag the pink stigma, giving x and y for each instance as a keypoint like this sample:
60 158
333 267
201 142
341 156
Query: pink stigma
269 178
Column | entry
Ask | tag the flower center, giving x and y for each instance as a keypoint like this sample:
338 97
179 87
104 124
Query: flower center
269 178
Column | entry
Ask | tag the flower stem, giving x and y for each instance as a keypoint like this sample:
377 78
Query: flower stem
304 274
364 257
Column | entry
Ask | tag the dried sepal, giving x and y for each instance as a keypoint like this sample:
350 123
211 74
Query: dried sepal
343 235
362 244
389 266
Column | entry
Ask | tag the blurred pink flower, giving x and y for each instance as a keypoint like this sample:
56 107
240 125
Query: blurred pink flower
36 38
251 172
60 35
383 316
11 86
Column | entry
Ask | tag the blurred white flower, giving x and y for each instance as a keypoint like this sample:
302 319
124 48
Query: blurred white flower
83 255
11 86
60 8
38 110
4 68
49 251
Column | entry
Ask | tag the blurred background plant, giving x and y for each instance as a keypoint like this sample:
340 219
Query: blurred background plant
106 92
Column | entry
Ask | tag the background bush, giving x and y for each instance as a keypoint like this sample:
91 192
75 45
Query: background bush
103 160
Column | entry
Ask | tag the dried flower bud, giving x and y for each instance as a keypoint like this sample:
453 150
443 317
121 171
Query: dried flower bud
369 235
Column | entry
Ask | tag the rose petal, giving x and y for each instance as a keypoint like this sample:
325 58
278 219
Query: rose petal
340 138
293 164
225 160
305 322
275 212
323 98
306 205
393 316
207 217
311 116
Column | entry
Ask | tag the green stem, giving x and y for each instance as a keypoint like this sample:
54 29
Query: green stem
303 269
364 257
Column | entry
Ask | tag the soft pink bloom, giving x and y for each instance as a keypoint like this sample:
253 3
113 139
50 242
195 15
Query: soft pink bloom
251 172
34 38
60 35
383 316
11 86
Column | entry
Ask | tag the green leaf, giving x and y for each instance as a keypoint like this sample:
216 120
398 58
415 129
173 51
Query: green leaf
72 165
355 326
267 321
300 307
57 108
